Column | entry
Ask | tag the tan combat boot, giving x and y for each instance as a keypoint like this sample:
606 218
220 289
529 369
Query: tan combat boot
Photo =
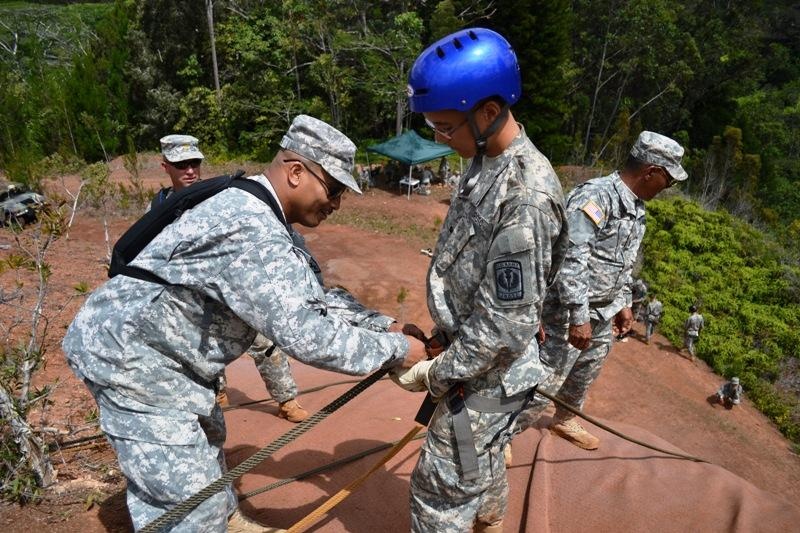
239 523
497 527
571 430
222 398
292 411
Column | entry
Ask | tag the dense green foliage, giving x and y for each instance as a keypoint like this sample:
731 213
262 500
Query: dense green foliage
746 290
724 78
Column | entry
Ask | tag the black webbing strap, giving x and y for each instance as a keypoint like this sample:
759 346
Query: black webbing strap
458 401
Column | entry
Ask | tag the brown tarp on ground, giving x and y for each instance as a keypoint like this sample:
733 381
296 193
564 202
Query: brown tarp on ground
621 487
625 487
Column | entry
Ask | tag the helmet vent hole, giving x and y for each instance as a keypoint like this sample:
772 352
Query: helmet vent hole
472 35
440 52
458 44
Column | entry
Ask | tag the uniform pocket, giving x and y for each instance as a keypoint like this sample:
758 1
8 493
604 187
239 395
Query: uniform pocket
462 232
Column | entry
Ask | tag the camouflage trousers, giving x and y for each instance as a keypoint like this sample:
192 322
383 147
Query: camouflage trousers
166 457
443 502
689 341
649 329
574 371
274 369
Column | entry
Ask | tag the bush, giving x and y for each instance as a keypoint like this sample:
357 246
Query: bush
745 290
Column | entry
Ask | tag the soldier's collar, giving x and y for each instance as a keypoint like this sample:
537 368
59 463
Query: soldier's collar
494 166
629 200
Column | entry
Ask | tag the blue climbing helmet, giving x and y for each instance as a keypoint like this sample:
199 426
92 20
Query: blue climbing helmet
460 70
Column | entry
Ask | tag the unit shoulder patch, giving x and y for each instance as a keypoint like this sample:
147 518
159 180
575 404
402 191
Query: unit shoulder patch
594 212
508 280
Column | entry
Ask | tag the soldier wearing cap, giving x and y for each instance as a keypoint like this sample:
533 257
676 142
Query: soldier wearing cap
692 328
730 393
182 160
151 353
592 292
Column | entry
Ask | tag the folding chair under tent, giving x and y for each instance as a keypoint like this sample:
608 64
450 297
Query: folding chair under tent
411 149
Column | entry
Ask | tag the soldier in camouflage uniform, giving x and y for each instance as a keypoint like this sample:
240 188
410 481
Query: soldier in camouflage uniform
606 226
151 353
693 326
500 246
730 393
652 316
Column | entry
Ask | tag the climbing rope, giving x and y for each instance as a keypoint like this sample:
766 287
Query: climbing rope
578 412
182 509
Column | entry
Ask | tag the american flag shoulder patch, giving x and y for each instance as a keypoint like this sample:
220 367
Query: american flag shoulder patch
594 212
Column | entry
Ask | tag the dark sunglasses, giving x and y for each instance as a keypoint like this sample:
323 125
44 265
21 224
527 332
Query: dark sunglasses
183 165
333 190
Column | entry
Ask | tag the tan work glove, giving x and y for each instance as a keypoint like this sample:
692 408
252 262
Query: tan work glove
414 379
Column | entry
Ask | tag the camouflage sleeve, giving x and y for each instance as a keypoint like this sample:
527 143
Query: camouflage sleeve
587 212
271 287
344 305
505 316
340 302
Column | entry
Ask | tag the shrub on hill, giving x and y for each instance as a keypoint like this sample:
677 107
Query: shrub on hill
746 289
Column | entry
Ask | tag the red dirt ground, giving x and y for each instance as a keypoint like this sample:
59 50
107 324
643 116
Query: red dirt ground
651 387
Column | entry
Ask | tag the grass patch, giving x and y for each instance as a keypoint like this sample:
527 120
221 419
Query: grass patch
405 228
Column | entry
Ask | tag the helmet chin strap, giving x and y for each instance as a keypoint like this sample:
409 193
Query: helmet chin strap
481 140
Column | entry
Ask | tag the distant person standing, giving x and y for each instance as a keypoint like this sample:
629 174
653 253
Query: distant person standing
730 393
652 316
693 326
638 293
181 161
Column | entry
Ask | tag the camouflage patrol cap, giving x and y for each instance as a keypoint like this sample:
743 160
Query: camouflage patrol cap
735 380
660 150
177 148
323 144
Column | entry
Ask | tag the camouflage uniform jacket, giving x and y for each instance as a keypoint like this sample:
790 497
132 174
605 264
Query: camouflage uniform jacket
654 311
235 272
339 301
606 227
499 249
694 324
731 390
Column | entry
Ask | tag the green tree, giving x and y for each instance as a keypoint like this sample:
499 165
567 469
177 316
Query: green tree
540 33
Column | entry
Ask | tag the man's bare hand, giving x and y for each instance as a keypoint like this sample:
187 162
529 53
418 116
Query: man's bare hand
580 335
541 336
416 352
624 320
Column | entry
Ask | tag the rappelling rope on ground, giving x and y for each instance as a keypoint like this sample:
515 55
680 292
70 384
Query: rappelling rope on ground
182 509
301 393
77 443
337 498
578 412
324 468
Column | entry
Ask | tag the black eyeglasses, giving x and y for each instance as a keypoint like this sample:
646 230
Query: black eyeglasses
445 134
183 165
334 191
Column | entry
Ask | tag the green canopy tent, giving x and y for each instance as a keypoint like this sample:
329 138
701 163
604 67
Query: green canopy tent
411 149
